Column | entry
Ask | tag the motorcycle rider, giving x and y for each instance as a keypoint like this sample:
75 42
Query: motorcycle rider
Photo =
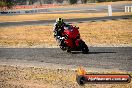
58 30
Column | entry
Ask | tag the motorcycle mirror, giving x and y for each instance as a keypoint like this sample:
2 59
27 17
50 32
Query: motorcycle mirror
76 27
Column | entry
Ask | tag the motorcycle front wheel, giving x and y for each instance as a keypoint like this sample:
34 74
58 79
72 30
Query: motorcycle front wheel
84 48
63 48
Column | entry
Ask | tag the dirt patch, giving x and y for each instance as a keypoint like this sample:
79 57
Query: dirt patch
33 77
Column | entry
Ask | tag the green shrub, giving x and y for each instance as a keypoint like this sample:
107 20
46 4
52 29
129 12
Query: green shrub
2 4
59 1
73 1
84 1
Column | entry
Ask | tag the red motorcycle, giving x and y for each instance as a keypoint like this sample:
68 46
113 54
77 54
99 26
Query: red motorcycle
72 40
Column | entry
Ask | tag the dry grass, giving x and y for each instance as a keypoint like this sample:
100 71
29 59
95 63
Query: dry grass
34 77
110 32
54 16
29 35
94 33
31 77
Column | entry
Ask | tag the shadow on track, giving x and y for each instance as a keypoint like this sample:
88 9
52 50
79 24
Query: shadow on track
99 52
91 52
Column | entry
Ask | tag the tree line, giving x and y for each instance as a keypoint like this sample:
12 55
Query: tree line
10 3
7 3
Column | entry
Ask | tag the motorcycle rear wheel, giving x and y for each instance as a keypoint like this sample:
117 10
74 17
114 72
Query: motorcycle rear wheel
68 50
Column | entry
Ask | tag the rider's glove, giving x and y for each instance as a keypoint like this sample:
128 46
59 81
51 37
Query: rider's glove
62 38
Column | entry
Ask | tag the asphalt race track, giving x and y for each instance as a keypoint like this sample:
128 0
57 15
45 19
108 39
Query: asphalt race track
98 57
91 9
51 22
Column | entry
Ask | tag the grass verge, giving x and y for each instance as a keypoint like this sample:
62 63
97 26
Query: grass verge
33 17
108 32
